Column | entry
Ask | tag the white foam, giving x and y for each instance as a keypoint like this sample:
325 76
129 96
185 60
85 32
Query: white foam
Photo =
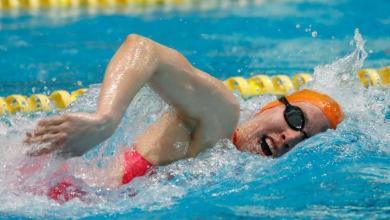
364 108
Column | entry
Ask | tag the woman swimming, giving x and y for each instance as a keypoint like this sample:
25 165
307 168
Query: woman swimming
205 111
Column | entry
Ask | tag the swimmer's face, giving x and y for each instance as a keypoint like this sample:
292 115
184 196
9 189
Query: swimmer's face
268 133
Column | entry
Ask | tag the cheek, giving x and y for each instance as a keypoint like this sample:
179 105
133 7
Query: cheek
271 121
275 122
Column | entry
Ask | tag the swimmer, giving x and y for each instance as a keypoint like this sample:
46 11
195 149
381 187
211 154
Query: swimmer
205 111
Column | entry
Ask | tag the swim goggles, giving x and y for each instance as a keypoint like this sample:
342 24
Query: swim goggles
295 119
294 116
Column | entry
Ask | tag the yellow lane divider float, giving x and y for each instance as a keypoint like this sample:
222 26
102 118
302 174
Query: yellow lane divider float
282 84
372 77
59 99
263 84
47 4
256 85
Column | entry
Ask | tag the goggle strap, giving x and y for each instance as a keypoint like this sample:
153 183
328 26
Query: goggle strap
284 100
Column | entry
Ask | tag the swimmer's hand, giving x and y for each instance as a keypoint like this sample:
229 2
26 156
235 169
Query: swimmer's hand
70 134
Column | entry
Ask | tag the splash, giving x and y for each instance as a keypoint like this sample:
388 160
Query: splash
342 173
342 72
365 108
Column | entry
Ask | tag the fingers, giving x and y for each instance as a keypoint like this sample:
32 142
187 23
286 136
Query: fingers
55 120
49 129
48 136
39 151
50 125
38 139
27 138
46 144
41 134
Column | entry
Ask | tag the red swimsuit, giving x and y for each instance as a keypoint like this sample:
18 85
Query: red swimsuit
134 165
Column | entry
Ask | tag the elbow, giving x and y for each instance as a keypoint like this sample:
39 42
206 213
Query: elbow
148 48
135 38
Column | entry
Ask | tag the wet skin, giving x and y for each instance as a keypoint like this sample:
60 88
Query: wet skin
204 112
270 127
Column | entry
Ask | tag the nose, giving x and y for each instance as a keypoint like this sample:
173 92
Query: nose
288 137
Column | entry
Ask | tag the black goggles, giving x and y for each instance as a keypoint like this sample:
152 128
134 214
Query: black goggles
294 116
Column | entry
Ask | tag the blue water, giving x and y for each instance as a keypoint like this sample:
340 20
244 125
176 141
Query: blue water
36 50
337 174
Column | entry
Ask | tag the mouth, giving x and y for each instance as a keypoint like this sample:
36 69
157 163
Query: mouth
265 143
264 147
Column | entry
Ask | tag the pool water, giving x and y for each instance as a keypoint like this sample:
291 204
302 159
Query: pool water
337 174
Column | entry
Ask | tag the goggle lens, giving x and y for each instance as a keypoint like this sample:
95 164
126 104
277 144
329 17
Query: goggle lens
294 116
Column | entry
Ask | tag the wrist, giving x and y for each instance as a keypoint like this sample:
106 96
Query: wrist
106 122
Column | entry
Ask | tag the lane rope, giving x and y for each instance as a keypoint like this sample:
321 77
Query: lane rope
74 4
258 84
282 84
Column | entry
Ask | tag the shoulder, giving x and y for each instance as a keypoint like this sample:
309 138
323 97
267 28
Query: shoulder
221 123
228 112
